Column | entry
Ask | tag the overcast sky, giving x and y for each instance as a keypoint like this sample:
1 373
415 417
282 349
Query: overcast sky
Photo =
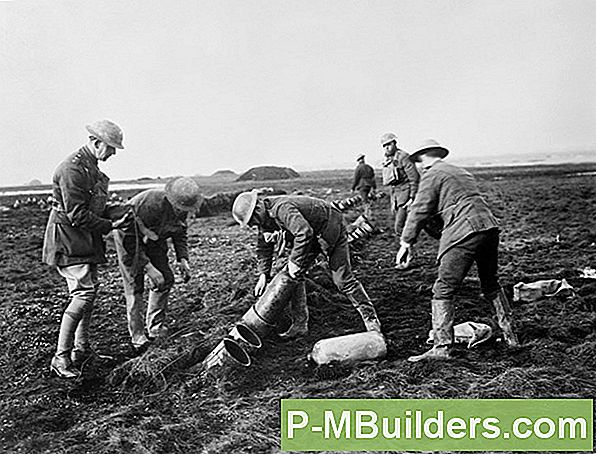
199 86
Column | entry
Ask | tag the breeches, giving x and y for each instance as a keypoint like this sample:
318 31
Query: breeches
82 284
455 263
334 243
132 273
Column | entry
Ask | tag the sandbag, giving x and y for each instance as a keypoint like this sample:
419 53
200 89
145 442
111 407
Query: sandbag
538 289
470 333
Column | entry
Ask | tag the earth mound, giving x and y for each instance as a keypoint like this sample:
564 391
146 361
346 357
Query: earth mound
224 173
268 173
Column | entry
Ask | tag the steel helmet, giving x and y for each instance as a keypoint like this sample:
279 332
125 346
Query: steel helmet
244 207
389 137
107 131
184 194
428 145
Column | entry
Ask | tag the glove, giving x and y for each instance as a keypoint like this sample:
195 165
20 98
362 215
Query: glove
403 255
261 284
185 270
293 269
155 277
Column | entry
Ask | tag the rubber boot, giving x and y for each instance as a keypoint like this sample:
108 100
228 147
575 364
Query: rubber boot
62 366
157 306
299 310
136 325
361 301
442 320
501 303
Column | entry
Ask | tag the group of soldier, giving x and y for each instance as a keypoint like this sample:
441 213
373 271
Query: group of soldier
80 216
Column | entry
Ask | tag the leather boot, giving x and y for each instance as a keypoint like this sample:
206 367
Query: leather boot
62 366
501 304
442 320
299 310
79 357
361 301
157 306
136 324
82 351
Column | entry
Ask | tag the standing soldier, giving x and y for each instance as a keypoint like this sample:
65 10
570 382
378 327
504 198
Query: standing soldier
470 234
365 183
73 239
141 245
400 174
313 226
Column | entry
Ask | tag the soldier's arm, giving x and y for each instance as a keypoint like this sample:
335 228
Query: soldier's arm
413 176
425 205
180 240
265 252
374 180
294 222
356 178
76 203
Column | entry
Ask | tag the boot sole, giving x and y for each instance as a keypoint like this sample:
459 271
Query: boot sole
61 375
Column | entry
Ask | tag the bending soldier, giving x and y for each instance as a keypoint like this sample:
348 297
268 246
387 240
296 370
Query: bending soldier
315 227
142 248
470 234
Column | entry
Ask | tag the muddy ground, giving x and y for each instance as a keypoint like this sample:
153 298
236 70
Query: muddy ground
161 403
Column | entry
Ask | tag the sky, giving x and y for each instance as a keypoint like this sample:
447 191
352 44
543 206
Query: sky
198 86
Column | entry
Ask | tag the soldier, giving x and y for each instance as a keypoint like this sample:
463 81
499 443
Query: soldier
400 174
141 245
313 226
73 239
365 183
470 234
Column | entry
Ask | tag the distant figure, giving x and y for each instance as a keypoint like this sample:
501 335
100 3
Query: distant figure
142 248
312 226
470 234
400 174
73 239
365 184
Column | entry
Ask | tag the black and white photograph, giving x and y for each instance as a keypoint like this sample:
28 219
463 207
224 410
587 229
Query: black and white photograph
212 211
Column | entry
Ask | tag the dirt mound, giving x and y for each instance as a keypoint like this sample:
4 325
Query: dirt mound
268 173
224 173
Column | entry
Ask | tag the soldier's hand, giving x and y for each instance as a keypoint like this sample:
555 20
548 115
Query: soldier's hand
185 270
123 221
155 277
261 284
403 255
293 269
408 204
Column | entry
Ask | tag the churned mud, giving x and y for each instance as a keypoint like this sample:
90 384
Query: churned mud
163 402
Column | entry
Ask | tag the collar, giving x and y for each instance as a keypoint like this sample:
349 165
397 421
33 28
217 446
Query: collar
432 163
88 154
